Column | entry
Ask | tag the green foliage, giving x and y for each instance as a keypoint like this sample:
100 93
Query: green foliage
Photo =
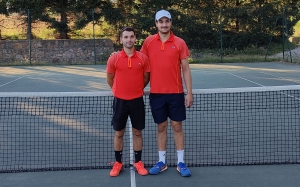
297 29
59 12
200 23
232 55
245 23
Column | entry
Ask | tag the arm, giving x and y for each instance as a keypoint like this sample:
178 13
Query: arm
187 76
110 79
146 78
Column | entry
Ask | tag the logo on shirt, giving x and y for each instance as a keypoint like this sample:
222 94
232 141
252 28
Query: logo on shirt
173 47
139 64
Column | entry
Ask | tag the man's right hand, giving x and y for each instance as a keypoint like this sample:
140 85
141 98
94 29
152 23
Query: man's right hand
113 53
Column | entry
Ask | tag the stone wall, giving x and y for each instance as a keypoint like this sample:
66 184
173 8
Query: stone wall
55 52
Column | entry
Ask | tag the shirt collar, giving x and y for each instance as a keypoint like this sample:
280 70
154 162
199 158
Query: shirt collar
171 38
125 55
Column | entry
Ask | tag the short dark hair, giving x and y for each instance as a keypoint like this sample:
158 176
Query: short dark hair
126 29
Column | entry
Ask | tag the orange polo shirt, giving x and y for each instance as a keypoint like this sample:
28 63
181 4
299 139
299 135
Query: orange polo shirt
129 74
165 62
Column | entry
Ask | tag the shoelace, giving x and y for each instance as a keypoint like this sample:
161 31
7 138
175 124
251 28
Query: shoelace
182 166
115 166
138 166
159 164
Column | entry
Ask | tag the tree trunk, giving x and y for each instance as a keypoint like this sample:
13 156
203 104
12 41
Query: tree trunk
64 26
63 32
237 21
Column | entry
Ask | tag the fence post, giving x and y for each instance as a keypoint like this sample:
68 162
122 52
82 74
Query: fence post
283 32
29 34
221 35
93 15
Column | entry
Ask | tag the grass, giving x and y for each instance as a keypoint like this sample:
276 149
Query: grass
233 59
250 54
297 30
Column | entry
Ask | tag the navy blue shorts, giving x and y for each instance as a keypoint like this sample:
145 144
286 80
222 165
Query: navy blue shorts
135 109
167 105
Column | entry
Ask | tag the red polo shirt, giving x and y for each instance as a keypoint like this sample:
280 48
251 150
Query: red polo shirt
165 62
129 74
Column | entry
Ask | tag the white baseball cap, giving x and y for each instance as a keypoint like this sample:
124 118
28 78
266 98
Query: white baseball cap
162 13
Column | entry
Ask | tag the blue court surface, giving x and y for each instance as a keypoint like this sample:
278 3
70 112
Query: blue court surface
205 76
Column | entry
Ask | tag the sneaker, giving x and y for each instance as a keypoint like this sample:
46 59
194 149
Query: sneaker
158 167
116 169
139 166
183 170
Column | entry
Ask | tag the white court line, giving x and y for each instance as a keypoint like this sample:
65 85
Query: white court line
12 81
264 85
132 169
282 78
247 80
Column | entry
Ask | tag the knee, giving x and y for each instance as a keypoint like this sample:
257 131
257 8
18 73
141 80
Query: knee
161 128
119 134
137 133
177 128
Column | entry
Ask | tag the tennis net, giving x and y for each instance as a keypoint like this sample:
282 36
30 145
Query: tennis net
72 130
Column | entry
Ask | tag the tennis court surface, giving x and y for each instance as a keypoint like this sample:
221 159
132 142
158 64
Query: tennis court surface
243 129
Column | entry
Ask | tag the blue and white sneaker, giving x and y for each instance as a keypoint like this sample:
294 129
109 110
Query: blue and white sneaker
183 170
158 167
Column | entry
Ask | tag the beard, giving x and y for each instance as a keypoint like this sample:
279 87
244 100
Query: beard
129 46
164 30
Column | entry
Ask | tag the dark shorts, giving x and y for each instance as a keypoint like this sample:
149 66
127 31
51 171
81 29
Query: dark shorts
135 109
167 105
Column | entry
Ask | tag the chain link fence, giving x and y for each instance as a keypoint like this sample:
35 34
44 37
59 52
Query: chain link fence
209 32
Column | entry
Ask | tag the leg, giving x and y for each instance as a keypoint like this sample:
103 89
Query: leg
118 147
178 134
178 139
118 140
137 116
137 139
137 144
179 142
159 109
161 165
137 147
119 118
162 135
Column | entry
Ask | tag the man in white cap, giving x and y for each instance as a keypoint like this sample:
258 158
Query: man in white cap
168 56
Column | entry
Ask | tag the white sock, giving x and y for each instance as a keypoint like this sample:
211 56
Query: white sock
180 154
162 156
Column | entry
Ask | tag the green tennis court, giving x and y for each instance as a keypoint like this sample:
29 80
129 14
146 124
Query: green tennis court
234 133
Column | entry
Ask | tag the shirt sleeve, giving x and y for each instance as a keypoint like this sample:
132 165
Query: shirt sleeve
184 50
110 67
144 48
147 64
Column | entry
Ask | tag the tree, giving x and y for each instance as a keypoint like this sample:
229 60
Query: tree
244 22
3 7
45 10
